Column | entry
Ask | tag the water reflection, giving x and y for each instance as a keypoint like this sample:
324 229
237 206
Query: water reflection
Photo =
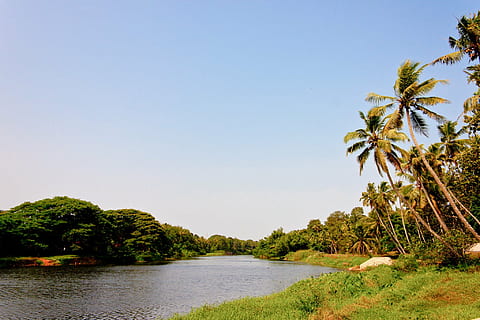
141 292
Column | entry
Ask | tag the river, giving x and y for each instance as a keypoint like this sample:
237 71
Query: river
141 292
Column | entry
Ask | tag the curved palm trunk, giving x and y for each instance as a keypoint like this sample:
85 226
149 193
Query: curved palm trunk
418 217
466 210
394 232
402 215
435 209
397 243
438 181
419 231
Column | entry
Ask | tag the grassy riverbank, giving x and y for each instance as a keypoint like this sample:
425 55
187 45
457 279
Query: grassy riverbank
339 261
381 293
65 260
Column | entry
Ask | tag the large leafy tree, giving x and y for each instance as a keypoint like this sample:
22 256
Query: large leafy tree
60 225
408 102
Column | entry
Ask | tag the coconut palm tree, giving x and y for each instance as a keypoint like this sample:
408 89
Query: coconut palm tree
409 99
468 42
362 231
375 139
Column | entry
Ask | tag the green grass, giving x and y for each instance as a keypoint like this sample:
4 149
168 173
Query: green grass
380 293
216 253
340 261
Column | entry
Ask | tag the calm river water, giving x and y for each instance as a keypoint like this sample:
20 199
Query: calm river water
141 292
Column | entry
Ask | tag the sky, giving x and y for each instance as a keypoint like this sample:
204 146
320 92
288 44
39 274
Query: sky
223 117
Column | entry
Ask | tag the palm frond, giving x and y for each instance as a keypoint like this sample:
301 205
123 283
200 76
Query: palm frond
472 103
418 123
380 110
395 135
450 58
393 158
380 162
355 135
403 153
377 99
431 101
363 157
427 86
394 120
429 113
384 145
355 147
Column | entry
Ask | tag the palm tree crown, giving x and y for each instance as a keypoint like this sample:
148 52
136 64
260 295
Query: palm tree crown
374 138
409 98
468 42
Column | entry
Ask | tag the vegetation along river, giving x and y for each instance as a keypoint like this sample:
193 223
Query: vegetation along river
141 292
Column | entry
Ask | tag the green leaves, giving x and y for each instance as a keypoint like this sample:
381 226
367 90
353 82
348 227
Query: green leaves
375 138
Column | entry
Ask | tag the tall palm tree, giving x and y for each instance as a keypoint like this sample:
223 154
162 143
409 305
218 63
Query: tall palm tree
409 99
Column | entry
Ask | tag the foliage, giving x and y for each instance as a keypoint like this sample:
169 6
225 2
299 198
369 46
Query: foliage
65 226
52 226
230 245
136 236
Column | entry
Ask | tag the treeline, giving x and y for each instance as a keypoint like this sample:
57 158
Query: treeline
355 233
429 203
63 225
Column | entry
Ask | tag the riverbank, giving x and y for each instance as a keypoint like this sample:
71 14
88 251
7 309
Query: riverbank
380 293
55 261
339 261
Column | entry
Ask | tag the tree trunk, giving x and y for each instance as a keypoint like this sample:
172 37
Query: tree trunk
402 215
438 181
435 209
466 210
418 217
395 240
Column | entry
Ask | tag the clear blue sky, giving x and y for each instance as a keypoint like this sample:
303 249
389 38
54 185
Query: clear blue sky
224 117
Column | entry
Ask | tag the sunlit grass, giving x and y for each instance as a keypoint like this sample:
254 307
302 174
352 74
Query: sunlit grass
340 261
